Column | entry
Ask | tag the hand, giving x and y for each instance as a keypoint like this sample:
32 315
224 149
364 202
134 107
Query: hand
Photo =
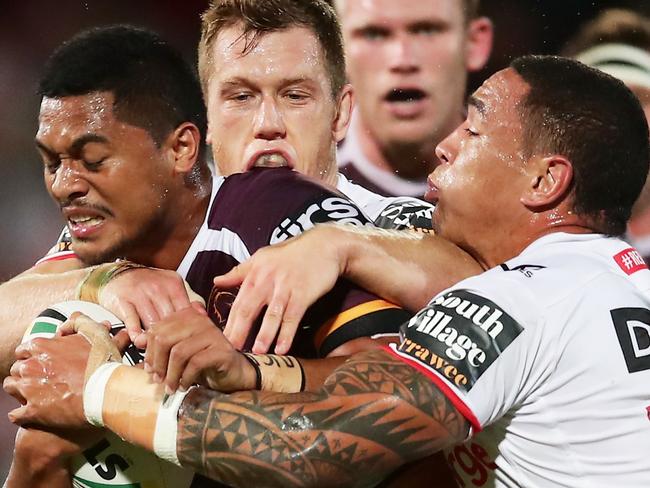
145 295
187 348
41 458
287 278
49 374
48 380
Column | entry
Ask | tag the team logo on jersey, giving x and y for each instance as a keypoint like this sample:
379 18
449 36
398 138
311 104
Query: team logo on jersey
526 269
459 335
406 215
633 331
219 305
326 210
630 261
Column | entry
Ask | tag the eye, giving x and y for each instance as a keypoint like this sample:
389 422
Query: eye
470 131
296 96
241 96
426 29
374 33
93 164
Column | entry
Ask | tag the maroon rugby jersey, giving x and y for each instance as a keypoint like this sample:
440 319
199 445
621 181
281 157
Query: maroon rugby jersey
266 206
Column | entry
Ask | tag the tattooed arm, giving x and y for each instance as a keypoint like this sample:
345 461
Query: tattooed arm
374 414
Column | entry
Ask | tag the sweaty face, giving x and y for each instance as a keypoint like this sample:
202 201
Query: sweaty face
108 177
272 105
482 174
406 62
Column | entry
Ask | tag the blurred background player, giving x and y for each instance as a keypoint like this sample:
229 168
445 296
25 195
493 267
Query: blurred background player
618 42
408 62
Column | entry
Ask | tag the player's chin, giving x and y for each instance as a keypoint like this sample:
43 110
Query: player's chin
93 252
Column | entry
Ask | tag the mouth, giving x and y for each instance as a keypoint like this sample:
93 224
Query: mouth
405 95
82 222
432 194
272 160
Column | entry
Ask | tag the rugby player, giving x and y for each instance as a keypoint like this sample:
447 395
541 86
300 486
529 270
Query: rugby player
73 182
408 62
541 360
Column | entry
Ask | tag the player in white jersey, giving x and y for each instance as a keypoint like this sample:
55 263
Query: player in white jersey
547 356
541 363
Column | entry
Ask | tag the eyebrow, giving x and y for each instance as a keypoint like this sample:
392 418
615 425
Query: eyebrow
77 145
477 103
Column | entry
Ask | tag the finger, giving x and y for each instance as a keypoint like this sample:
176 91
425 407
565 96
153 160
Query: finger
122 340
179 358
164 306
147 312
200 308
19 416
11 387
234 277
24 350
290 322
16 368
271 322
131 321
180 298
199 362
67 327
245 309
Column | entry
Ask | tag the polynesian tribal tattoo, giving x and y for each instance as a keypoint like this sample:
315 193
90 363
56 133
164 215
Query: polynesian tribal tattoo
373 414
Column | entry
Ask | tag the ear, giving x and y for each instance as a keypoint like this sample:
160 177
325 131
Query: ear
186 143
550 182
479 43
343 116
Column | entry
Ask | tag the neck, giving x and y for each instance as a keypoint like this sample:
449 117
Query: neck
411 161
493 253
183 223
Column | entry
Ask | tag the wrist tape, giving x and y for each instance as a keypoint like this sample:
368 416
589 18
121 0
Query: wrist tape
99 276
282 374
123 399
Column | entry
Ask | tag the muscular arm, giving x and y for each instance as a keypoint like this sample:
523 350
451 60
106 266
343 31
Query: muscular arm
406 268
29 293
373 415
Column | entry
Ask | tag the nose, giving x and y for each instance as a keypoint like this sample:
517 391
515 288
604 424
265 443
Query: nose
445 150
403 56
269 122
67 183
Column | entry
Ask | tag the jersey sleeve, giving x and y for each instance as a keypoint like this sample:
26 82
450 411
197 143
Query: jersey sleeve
61 250
484 357
269 206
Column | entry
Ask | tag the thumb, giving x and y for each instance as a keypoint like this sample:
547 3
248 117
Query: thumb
234 277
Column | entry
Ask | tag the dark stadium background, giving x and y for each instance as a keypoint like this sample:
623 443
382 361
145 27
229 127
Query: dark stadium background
29 30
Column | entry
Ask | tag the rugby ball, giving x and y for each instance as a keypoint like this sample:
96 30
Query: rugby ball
111 461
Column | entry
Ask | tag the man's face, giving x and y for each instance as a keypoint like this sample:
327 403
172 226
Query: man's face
272 105
407 64
483 173
109 178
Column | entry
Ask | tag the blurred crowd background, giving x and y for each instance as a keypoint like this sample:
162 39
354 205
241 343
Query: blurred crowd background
30 30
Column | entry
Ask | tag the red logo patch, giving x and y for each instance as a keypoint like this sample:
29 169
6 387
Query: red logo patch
630 261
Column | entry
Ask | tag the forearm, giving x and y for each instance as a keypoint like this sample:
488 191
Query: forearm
330 438
23 297
404 267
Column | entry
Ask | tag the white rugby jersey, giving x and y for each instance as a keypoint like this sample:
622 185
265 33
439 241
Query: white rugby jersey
548 357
